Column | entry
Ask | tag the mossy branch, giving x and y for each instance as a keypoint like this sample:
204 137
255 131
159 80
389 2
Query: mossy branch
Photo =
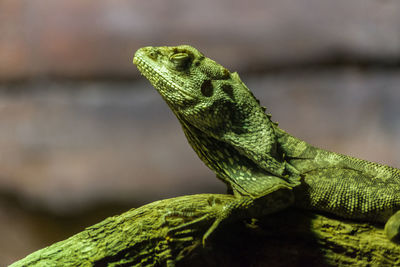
146 237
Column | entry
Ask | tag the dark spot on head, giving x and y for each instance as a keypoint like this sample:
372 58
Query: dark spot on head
207 88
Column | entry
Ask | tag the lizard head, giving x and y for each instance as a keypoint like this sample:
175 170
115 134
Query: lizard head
198 90
220 117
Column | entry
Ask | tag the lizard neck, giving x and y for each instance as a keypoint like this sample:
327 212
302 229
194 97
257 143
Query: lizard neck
254 137
231 166
216 155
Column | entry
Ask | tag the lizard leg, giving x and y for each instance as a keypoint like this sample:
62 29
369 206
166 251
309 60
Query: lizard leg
247 207
234 210
220 214
194 224
392 227
244 207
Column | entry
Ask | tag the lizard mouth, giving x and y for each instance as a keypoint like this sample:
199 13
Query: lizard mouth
156 78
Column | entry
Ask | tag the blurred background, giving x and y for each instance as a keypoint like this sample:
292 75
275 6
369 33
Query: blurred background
84 137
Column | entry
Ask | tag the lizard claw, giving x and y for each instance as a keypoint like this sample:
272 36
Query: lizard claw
211 230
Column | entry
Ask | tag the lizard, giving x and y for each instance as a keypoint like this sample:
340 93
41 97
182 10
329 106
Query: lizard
264 167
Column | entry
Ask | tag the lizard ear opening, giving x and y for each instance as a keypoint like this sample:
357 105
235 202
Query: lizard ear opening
207 88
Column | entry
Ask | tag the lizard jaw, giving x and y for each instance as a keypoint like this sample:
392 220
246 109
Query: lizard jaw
156 75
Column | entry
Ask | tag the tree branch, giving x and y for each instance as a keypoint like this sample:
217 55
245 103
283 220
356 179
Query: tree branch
169 232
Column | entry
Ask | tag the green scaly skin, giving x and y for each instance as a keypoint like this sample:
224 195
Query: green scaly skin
266 168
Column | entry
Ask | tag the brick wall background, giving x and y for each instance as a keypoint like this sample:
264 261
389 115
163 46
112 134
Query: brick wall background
83 137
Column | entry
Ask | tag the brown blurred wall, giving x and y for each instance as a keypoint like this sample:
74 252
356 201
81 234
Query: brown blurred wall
82 137
98 38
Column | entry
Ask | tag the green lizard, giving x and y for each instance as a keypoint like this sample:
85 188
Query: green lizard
263 166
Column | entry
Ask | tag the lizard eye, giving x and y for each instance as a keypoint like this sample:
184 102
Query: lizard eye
207 88
180 60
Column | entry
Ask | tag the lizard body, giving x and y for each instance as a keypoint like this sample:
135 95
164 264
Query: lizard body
260 163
